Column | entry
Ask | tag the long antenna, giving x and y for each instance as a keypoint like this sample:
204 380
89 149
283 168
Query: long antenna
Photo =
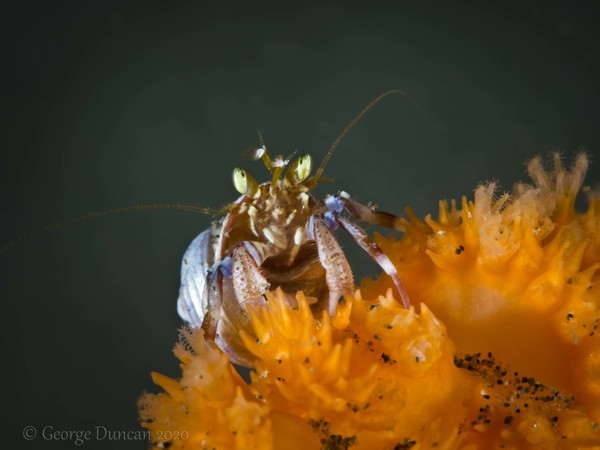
104 213
354 121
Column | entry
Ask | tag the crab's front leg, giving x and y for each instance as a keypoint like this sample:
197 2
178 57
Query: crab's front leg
336 204
234 283
370 215
248 281
338 274
371 247
213 295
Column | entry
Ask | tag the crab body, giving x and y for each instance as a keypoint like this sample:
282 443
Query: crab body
277 234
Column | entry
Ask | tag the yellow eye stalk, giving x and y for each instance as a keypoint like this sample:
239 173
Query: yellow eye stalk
299 170
244 182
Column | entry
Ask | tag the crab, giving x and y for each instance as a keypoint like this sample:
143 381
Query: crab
276 234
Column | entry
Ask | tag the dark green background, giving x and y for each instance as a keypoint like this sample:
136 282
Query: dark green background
111 104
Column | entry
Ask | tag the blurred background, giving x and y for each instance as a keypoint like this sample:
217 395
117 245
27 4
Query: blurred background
118 103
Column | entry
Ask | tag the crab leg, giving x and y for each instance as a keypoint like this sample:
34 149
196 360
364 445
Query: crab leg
338 274
366 214
236 277
241 272
248 283
213 294
368 245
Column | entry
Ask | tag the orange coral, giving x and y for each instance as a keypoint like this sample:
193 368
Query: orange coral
357 379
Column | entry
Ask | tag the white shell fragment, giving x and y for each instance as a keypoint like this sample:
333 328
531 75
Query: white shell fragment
198 258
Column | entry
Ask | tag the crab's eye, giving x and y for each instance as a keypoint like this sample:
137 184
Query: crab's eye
304 167
243 181
300 169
